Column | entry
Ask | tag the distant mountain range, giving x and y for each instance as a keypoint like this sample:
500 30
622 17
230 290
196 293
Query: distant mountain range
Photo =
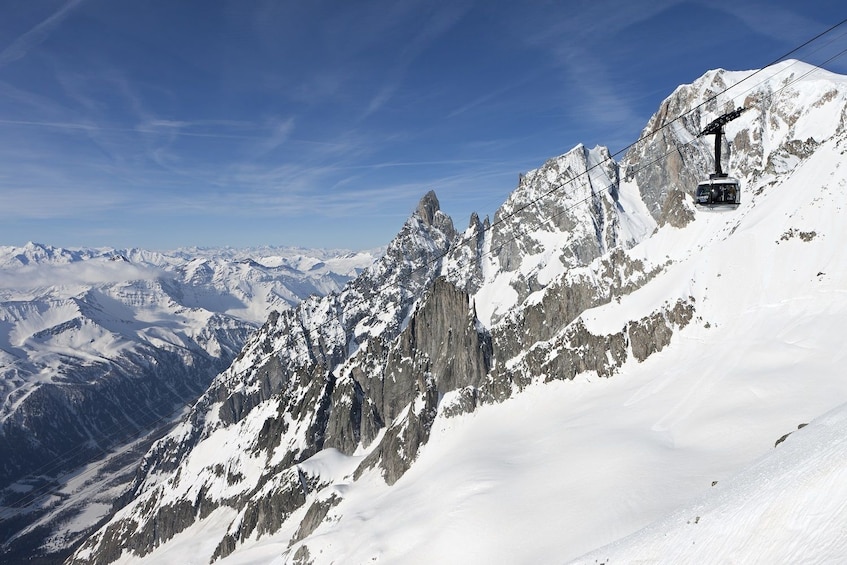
99 347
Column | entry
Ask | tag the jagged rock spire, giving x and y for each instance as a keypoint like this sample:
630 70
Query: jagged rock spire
427 207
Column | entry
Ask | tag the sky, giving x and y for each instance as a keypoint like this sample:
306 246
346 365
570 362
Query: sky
240 123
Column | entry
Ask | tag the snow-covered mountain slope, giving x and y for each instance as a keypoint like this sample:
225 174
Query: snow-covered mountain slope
98 346
585 365
788 507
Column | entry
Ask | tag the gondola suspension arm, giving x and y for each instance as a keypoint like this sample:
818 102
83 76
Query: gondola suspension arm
716 128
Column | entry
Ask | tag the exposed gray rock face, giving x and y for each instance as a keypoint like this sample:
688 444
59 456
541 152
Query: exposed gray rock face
464 265
666 140
405 437
442 349
445 340
314 516
576 349
677 210
574 195
653 333
537 196
351 410
265 512
614 275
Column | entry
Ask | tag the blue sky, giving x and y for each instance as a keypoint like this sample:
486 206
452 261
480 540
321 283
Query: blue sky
167 123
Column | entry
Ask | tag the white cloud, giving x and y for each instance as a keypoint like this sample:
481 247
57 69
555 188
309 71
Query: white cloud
82 273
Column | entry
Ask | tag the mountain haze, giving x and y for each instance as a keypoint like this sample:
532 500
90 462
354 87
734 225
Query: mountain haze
598 357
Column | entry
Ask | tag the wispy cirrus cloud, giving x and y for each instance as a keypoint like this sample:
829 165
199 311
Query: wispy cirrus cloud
773 21
434 25
240 131
23 44
790 27
582 51
278 132
56 199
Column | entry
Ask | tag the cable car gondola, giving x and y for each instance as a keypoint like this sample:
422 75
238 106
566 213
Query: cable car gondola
719 189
